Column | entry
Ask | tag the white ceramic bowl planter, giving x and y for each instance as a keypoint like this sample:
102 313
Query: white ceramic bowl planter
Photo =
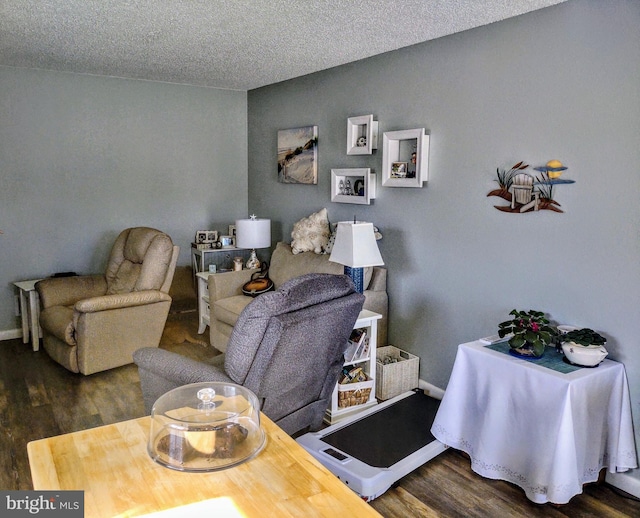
582 347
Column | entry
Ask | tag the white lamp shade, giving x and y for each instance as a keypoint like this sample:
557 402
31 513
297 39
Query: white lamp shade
355 245
253 233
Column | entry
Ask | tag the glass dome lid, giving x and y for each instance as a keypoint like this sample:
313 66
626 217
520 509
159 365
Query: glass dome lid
205 427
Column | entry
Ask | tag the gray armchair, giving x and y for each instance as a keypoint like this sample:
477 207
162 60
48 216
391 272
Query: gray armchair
287 347
92 323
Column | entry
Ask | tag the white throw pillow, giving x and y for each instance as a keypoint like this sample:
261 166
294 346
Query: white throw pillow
311 234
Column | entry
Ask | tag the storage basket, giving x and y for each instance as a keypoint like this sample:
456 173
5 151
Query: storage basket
353 394
393 379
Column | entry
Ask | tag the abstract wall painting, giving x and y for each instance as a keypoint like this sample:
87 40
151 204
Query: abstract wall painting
298 155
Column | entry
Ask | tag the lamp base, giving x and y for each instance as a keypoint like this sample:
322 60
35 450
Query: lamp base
253 261
357 276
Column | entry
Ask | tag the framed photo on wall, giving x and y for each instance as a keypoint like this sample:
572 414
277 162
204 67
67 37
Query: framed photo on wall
298 155
399 170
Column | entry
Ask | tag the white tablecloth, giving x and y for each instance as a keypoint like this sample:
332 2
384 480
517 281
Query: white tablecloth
547 432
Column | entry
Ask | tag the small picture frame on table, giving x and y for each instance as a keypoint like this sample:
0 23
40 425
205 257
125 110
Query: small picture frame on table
227 241
232 230
206 236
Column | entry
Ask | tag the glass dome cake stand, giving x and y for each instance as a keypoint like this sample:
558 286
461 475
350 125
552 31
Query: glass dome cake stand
205 427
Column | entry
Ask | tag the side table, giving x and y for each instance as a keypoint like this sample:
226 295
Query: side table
30 312
546 430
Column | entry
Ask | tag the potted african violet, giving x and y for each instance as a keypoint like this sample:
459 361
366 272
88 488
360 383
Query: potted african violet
583 347
531 333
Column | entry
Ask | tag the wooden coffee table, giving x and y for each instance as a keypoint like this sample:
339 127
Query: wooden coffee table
111 465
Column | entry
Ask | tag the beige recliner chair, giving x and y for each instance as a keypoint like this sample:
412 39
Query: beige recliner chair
93 323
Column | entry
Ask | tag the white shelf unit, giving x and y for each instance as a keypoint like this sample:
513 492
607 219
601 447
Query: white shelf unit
362 135
361 186
366 320
399 149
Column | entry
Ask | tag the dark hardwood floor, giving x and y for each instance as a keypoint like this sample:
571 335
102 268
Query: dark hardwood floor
38 398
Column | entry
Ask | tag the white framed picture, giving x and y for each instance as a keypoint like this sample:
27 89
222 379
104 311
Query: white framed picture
362 135
405 158
353 186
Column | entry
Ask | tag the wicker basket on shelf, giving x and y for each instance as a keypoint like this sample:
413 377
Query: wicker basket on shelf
353 394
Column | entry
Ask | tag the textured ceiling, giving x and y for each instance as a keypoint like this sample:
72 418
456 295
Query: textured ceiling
236 44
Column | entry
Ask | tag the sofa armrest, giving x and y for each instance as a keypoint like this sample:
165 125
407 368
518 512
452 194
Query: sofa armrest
66 291
122 300
378 279
228 284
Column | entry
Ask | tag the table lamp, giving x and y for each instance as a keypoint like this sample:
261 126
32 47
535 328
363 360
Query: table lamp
253 233
355 247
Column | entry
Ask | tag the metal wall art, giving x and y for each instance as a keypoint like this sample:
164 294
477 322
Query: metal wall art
530 192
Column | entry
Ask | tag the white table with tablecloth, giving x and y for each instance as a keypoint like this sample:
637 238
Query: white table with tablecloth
548 432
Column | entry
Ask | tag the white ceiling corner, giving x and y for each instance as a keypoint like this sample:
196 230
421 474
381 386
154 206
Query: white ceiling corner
233 44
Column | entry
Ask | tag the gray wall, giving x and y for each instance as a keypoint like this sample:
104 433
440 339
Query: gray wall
560 83
82 157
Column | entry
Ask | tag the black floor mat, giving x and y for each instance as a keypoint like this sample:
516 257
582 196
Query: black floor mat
388 436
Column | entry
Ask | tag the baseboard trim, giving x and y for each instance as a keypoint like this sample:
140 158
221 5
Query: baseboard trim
431 390
624 482
10 334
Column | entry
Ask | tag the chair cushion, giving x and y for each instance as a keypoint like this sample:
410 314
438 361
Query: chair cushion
139 260
228 310
58 320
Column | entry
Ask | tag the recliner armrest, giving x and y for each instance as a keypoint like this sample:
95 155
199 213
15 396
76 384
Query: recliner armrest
123 300
66 291
177 368
161 371
228 284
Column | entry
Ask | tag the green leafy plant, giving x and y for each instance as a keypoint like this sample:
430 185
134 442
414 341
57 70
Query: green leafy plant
530 329
584 336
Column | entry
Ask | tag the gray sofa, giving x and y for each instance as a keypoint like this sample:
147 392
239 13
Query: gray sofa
226 300
287 347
